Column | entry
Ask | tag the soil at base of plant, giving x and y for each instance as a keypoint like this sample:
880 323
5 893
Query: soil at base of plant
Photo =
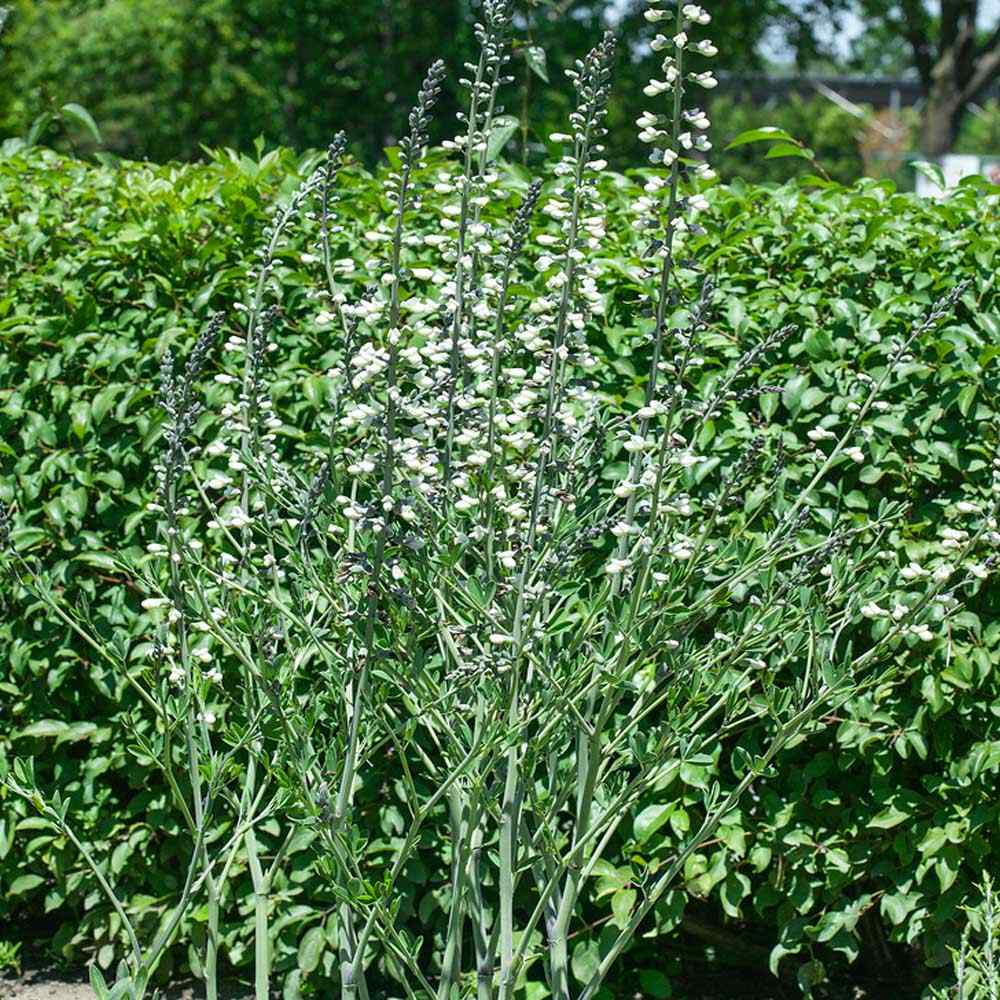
48 984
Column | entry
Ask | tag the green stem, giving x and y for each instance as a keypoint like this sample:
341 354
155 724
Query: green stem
463 225
212 941
480 918
261 893
451 964
508 862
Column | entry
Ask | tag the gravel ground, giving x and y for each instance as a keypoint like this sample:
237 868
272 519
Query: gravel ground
42 987
53 985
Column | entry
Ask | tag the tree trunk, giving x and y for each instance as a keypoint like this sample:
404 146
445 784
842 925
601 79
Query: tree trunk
939 128
959 71
942 117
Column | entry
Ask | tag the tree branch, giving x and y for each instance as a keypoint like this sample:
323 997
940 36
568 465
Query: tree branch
916 30
965 43
990 44
987 69
951 14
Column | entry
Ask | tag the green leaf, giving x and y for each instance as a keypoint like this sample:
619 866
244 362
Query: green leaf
650 820
933 840
292 987
829 926
655 984
621 906
735 888
38 126
783 149
812 398
103 402
810 974
792 394
99 560
931 171
500 134
734 837
947 871
586 960
966 398
778 952
534 56
694 775
75 501
888 818
768 404
311 949
25 883
97 983
45 728
680 821
865 264
768 133
897 905
79 418
315 390
736 314
81 116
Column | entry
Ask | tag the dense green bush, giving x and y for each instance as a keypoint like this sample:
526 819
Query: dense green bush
829 131
294 74
163 80
980 133
866 843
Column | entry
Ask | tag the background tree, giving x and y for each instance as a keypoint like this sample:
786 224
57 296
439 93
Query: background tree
163 80
953 49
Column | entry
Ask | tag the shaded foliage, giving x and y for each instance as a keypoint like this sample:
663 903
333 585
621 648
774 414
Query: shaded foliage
865 844
163 80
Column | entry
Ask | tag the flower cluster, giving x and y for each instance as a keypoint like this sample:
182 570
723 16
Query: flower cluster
679 132
476 402
6 527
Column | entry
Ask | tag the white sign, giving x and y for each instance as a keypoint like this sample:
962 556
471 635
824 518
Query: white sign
955 167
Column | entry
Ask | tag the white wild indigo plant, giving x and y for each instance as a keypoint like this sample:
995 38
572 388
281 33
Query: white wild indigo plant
448 585
976 961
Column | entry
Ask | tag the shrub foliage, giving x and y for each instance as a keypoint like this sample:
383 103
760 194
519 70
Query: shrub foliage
870 836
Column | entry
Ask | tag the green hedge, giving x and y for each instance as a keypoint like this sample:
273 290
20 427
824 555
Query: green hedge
828 130
866 842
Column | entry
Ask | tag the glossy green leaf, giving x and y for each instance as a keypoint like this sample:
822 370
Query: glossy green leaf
768 133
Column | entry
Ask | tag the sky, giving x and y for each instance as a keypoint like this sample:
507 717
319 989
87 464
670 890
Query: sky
853 26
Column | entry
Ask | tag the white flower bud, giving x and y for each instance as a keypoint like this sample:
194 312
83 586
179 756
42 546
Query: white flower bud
706 80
